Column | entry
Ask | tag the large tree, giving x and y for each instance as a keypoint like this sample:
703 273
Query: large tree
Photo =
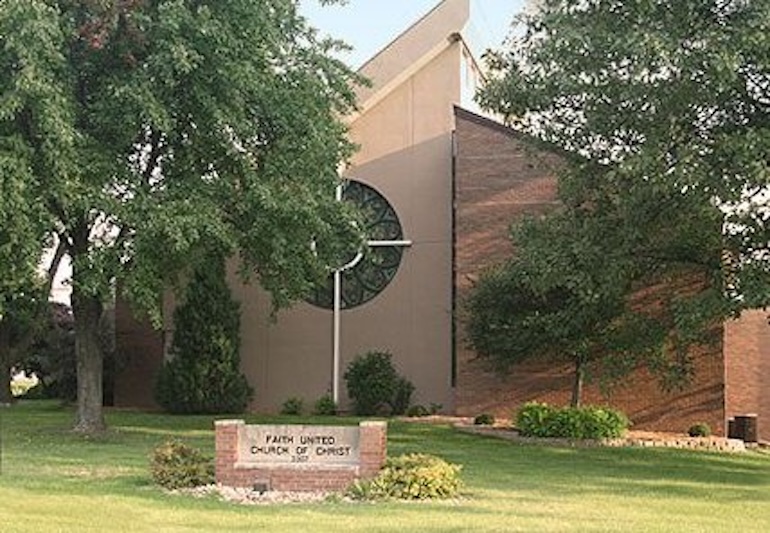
666 106
23 239
152 129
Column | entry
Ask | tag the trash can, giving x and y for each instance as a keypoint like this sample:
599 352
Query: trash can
746 427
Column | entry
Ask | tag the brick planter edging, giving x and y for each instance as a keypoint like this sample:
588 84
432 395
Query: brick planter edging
231 472
714 444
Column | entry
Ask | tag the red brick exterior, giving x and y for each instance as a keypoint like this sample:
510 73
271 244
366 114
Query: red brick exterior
300 478
374 448
747 368
139 350
500 176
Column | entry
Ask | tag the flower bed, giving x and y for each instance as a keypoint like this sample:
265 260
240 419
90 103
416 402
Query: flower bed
640 439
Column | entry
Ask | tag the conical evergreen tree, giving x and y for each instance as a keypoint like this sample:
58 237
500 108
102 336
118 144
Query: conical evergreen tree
203 374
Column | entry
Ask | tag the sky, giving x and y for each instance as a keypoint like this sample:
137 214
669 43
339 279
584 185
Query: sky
369 25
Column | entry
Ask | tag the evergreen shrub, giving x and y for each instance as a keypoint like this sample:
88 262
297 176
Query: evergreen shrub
402 396
411 477
484 419
203 375
542 420
700 429
435 408
416 411
374 385
325 406
292 406
175 465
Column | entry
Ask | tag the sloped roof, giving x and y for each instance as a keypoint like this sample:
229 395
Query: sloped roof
414 48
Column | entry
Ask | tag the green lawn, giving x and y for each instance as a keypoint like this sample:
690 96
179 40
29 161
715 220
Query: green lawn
53 480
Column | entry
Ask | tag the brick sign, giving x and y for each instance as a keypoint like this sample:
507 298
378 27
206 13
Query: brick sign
298 457
311 445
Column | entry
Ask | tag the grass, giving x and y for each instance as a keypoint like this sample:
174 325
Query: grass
53 480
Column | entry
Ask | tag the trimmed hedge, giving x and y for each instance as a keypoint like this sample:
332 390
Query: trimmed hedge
417 411
545 421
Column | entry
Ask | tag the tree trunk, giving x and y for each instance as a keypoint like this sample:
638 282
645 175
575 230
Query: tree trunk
6 397
577 385
87 310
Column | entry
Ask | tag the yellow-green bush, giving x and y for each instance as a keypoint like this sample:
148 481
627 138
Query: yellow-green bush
411 477
176 465
542 420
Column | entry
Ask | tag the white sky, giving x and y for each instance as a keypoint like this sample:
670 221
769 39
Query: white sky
369 25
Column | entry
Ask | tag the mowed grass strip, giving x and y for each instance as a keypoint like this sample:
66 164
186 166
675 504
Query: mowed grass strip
54 480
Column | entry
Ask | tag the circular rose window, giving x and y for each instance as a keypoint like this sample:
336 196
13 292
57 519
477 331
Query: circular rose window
367 275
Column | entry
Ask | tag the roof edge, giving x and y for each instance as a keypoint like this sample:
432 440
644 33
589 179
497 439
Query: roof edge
481 120
401 34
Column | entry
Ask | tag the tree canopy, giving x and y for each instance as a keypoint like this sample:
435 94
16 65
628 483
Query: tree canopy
664 106
149 130
24 236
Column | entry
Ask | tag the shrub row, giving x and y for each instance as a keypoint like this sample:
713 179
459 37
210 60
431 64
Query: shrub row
324 406
542 420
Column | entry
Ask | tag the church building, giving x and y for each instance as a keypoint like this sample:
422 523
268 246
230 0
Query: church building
439 183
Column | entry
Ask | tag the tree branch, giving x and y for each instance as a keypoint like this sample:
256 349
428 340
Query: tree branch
61 250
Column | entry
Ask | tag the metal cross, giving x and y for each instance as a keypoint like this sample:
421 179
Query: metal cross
337 309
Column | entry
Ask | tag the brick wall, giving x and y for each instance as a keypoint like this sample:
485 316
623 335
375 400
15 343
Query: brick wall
139 349
500 177
747 367
297 478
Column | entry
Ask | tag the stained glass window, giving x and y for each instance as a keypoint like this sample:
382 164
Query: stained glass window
377 264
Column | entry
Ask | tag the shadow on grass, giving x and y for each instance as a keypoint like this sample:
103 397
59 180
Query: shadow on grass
624 471
38 442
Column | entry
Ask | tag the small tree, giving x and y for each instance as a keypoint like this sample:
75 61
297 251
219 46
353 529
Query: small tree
567 295
203 375
47 349
23 290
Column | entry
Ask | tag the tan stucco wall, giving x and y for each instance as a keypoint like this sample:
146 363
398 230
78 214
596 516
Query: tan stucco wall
406 154
413 48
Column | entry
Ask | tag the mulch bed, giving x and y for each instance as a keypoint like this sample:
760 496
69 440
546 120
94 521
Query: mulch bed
638 439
